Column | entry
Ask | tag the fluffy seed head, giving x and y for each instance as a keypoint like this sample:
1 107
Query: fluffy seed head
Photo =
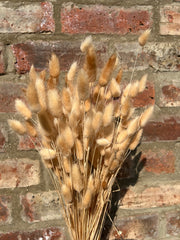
32 74
66 165
133 126
31 129
17 126
145 116
122 136
119 76
136 140
86 201
86 44
134 89
79 149
72 71
77 179
102 142
108 114
47 154
54 103
41 92
22 109
66 99
115 88
66 192
142 83
83 85
68 137
144 37
97 121
54 67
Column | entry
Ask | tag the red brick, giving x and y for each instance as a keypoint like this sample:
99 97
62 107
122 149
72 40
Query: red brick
52 233
163 195
38 53
8 93
19 173
34 17
102 19
2 62
28 143
170 96
136 227
173 223
42 206
3 139
170 20
159 161
167 129
5 209
147 97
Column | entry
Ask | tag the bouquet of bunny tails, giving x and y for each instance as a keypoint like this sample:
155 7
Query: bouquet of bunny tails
86 131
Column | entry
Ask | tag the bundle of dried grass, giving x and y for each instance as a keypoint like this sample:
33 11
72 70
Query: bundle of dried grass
83 144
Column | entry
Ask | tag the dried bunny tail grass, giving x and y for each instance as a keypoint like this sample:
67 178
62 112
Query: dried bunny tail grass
66 99
86 44
32 74
136 139
79 149
72 71
91 183
68 137
31 130
87 127
77 180
145 116
17 126
90 64
47 154
87 198
108 114
41 92
67 193
66 164
134 89
142 83
122 136
83 85
97 121
54 67
42 75
133 126
144 37
107 71
54 102
115 88
32 97
22 109
46 122
102 142
125 106
62 146
119 76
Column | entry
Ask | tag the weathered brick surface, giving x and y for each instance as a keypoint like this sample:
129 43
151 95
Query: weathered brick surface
8 93
136 227
45 234
163 195
164 130
161 56
102 19
159 160
5 209
170 96
28 143
170 19
3 138
2 63
173 223
38 53
147 97
19 173
40 207
35 17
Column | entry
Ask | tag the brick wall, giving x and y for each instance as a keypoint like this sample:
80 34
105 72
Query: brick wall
149 202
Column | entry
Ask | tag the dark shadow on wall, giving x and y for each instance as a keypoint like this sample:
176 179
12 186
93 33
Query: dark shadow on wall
127 176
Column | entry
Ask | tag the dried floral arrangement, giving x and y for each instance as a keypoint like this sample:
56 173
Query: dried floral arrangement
85 134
